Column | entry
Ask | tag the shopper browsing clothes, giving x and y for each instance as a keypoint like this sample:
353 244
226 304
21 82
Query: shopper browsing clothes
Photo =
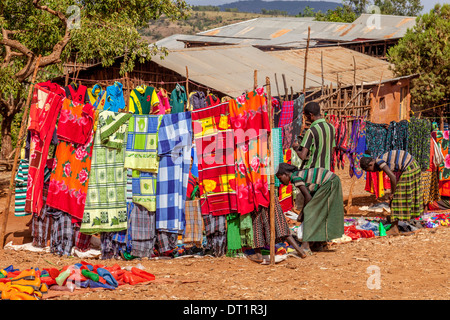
406 195
323 211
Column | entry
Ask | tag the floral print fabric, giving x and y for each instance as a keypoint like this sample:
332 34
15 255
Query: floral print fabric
250 122
72 164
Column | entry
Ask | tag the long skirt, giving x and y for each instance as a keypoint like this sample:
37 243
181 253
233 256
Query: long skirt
408 198
430 186
323 215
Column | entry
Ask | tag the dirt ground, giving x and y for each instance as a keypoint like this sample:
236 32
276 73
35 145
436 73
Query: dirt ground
408 267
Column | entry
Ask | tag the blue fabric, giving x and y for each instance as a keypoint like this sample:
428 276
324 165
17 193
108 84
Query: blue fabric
174 150
194 169
105 274
114 97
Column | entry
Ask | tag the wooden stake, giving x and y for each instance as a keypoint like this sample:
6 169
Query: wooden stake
22 131
272 176
306 61
255 79
286 94
278 90
187 84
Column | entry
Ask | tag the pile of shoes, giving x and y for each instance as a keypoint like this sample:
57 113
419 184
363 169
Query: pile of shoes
26 285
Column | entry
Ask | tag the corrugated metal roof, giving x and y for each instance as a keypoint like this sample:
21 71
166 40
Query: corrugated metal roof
337 61
288 29
230 69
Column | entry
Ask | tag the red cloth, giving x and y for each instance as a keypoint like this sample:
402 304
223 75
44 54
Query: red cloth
43 116
355 234
75 127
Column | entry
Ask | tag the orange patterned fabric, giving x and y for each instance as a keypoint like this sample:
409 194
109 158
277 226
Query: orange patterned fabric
70 174
250 123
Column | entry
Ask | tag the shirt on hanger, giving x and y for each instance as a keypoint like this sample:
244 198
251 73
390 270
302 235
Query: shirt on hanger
142 100
178 99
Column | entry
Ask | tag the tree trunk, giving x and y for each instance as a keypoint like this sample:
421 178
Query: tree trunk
7 146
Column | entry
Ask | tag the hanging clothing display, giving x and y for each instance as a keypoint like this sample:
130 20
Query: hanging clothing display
193 233
287 113
216 234
419 141
113 99
357 147
94 95
216 167
277 152
174 150
77 93
197 100
376 138
106 209
142 230
276 112
70 175
397 136
285 193
442 139
250 122
178 99
299 104
142 143
20 192
164 104
143 100
44 111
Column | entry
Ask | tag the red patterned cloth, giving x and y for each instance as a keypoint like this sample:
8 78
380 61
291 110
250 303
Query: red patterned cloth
44 112
214 140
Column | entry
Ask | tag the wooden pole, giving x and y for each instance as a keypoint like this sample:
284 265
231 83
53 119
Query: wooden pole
278 90
22 131
187 85
272 176
255 79
306 61
321 67
286 94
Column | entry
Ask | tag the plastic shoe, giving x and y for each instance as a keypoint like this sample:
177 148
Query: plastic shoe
29 274
105 274
143 274
22 296
35 283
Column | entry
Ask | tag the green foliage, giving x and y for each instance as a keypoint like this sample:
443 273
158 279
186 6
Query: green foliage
205 8
307 12
274 12
425 50
340 14
399 7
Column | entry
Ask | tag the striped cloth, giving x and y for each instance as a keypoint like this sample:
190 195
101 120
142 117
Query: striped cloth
215 233
312 178
174 150
193 234
144 189
396 160
277 151
142 231
287 113
21 189
320 140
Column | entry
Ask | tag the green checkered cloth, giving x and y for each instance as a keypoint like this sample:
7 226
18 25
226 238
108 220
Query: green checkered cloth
106 207
277 152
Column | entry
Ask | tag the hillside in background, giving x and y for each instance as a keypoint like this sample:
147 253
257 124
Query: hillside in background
199 21
291 8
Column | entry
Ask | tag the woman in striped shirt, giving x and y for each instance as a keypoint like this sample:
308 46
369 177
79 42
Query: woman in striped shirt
323 210
406 195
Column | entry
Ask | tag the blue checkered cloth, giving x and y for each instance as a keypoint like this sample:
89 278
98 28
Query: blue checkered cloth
174 150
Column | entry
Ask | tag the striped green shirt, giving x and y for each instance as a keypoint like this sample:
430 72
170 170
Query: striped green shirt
312 178
320 140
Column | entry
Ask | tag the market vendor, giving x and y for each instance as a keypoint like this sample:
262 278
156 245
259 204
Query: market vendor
323 212
406 195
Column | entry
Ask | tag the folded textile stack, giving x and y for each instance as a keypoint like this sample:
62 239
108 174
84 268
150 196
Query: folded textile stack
31 284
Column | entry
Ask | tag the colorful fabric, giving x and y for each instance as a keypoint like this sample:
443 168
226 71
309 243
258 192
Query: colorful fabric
44 111
142 100
70 173
312 178
430 186
261 226
397 136
419 141
250 122
106 207
113 99
442 139
178 99
94 94
320 140
193 234
233 234
164 104
214 140
277 151
297 116
20 193
76 93
215 233
324 213
40 226
287 113
61 237
358 135
174 150
144 189
376 134
142 143
396 160
276 112
142 230
408 198
288 135
165 241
